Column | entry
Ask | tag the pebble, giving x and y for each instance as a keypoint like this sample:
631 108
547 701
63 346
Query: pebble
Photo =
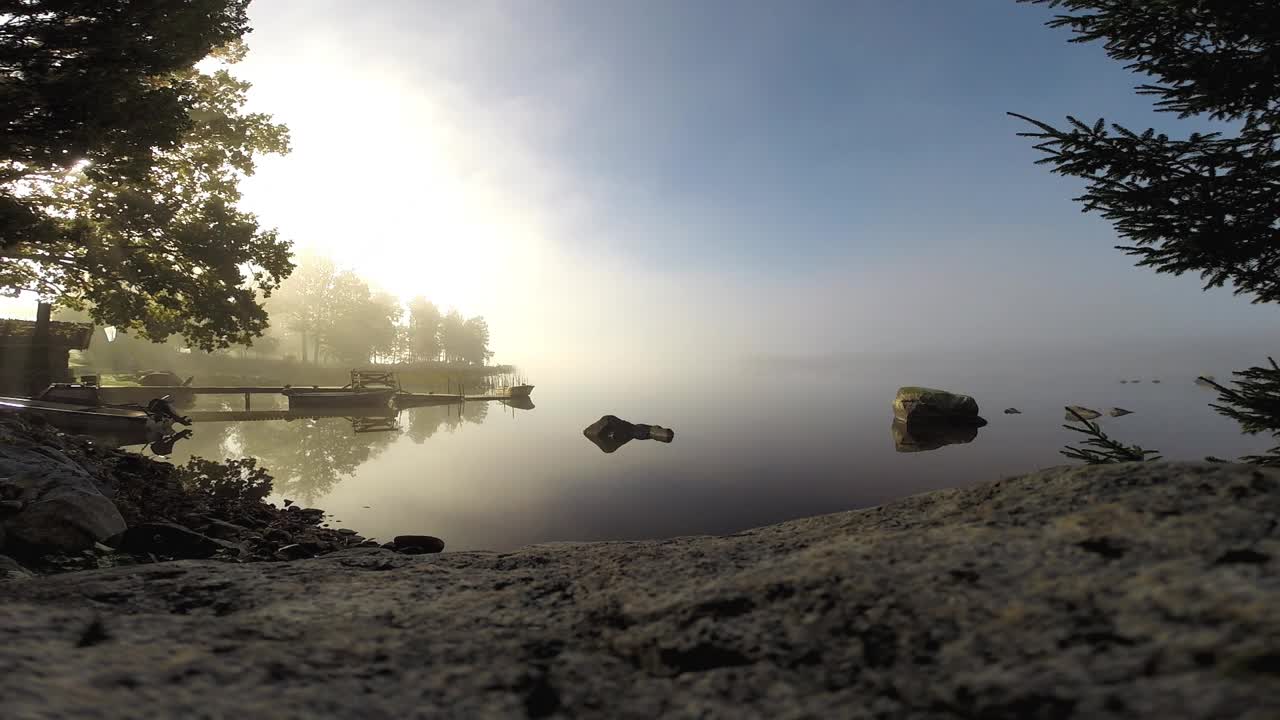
346 531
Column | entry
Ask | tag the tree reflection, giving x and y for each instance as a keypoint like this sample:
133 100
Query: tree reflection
308 457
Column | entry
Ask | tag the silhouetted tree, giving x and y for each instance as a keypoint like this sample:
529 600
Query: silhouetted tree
119 165
453 336
424 329
1209 203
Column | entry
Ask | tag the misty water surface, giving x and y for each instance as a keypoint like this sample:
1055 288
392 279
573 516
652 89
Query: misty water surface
755 444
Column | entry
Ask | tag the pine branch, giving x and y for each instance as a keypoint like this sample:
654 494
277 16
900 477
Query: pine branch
1107 450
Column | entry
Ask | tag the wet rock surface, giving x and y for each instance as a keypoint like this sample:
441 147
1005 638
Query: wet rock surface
914 405
611 432
1141 590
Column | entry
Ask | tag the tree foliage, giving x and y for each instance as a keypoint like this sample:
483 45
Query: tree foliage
1101 449
1209 203
120 164
1254 402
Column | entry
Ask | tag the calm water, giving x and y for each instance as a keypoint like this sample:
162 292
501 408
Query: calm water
754 445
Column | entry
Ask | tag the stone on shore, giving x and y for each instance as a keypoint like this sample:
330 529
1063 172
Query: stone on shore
61 510
11 570
921 404
1143 590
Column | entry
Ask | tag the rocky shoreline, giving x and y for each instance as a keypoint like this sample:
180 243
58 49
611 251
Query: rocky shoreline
68 503
1139 590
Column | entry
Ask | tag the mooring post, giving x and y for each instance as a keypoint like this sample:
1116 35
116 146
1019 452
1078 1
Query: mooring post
246 402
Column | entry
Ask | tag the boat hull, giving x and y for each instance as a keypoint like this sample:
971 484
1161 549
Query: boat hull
127 425
517 391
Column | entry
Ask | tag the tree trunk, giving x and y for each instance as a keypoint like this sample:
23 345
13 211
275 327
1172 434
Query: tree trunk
39 374
304 347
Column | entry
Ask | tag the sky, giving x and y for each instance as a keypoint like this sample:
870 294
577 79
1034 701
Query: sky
608 179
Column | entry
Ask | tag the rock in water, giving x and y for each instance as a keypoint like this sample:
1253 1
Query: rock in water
1142 590
61 509
1084 412
1119 412
612 432
921 404
925 436
1012 411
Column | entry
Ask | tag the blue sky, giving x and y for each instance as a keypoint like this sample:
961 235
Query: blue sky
843 170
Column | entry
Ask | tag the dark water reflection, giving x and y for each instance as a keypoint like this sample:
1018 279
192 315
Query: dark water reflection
751 450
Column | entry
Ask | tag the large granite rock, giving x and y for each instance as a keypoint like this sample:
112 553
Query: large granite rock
61 508
1145 590
926 405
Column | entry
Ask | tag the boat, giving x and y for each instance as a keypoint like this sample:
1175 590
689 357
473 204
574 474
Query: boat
79 409
516 391
319 397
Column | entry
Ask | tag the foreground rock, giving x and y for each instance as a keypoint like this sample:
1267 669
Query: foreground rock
68 503
1141 590
611 432
50 500
927 405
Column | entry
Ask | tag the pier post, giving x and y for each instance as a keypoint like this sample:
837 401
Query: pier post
246 401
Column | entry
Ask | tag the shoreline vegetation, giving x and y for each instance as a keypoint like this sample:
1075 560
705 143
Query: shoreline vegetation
54 519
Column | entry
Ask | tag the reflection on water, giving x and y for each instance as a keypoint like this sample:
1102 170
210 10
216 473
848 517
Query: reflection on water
923 437
492 476
309 454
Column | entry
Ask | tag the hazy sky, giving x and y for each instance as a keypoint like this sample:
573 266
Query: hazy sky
710 177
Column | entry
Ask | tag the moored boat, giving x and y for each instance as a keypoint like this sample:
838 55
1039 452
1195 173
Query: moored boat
78 409
519 390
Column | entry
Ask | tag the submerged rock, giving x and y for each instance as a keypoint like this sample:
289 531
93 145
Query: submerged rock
611 432
921 404
1082 411
922 437
1119 412
1143 590
1012 411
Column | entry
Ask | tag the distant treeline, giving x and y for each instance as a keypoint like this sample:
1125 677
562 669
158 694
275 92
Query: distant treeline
323 315
332 315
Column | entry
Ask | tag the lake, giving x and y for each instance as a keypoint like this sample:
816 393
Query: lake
756 443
